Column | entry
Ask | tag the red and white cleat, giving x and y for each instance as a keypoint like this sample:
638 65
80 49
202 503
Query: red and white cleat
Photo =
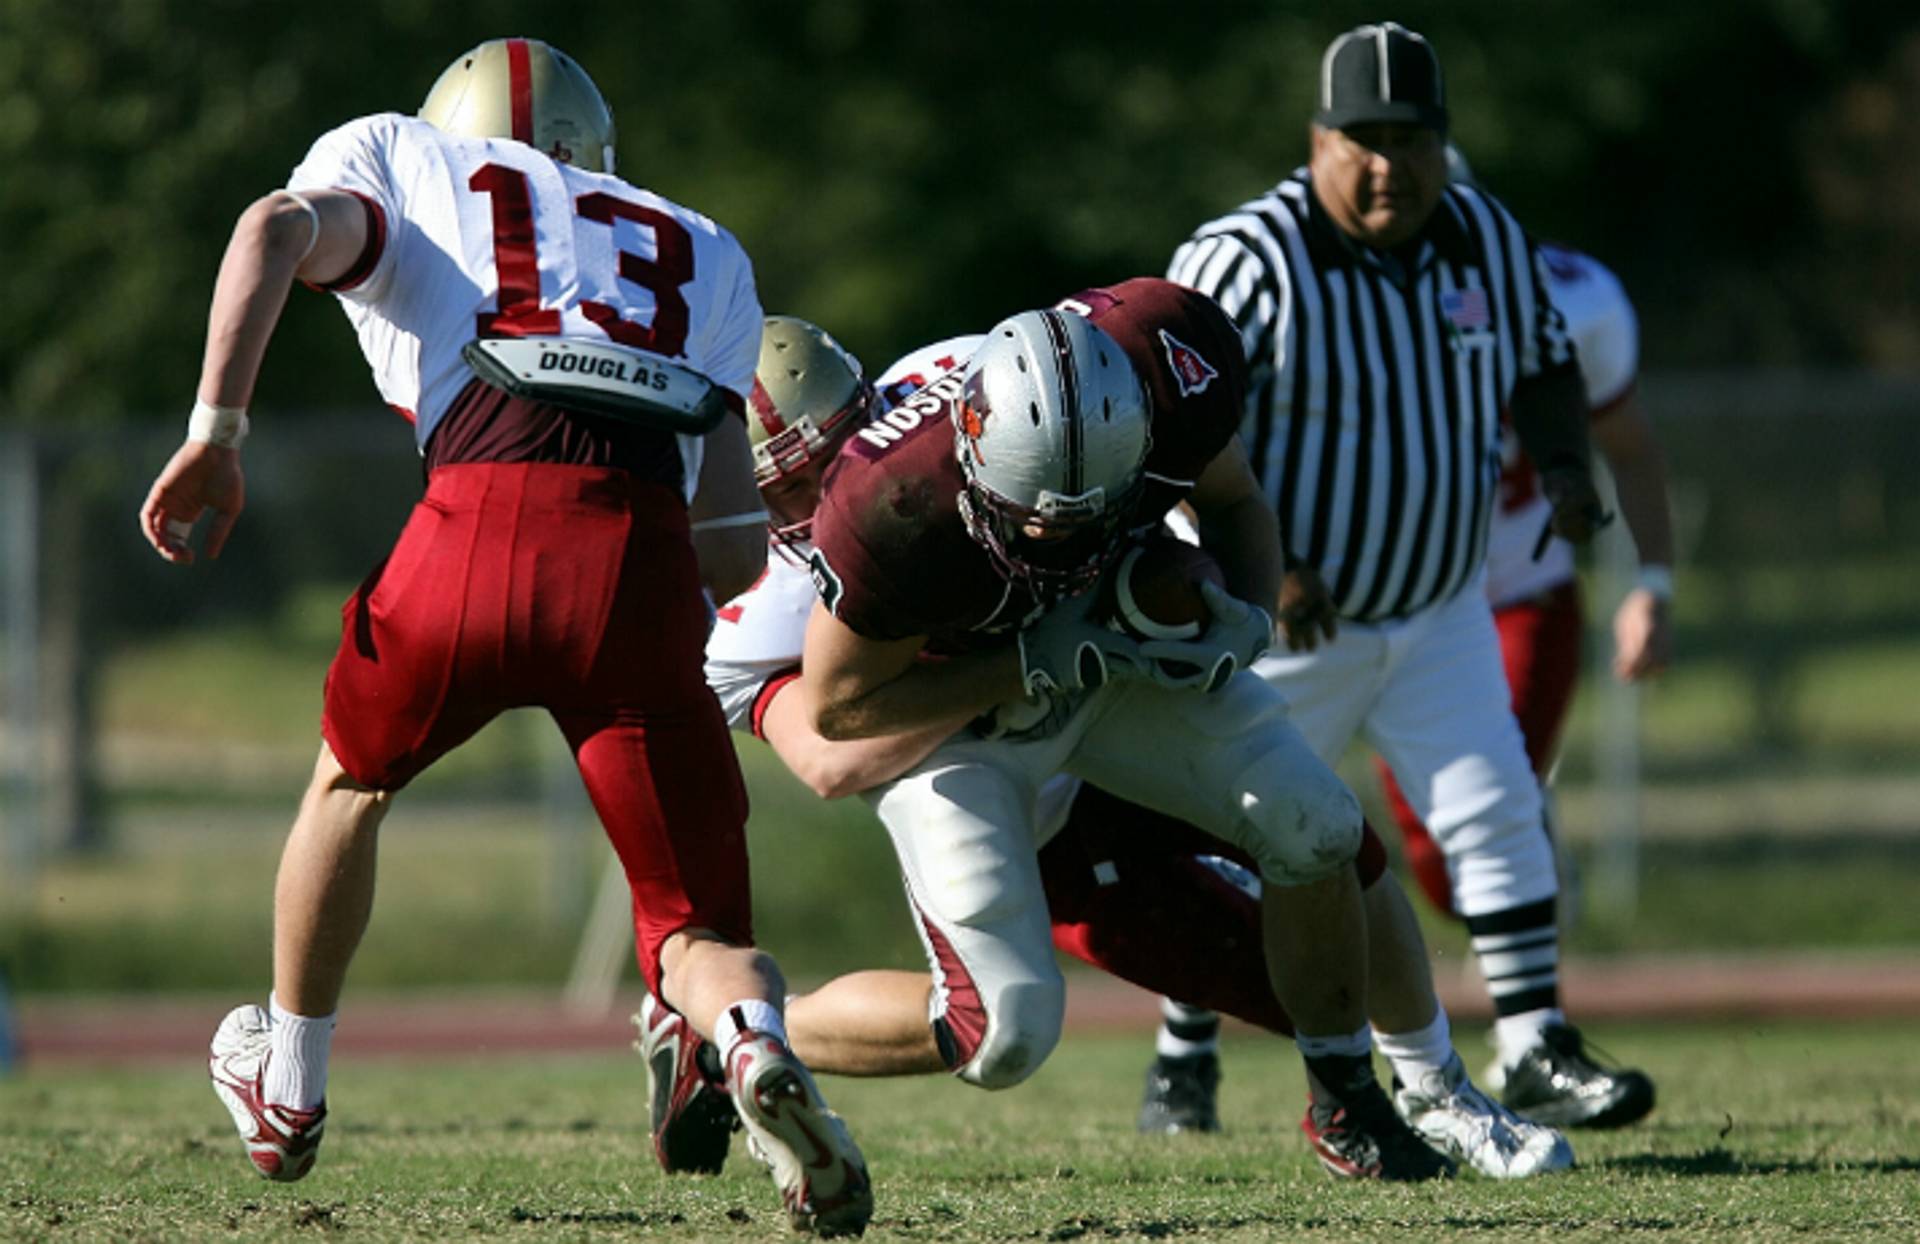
282 1142
821 1176
691 1117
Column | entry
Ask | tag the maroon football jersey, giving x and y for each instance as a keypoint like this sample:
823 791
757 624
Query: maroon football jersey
1188 354
892 557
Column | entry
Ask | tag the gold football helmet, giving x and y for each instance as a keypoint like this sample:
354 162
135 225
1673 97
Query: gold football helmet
808 397
526 90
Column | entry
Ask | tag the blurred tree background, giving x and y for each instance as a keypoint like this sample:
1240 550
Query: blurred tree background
903 170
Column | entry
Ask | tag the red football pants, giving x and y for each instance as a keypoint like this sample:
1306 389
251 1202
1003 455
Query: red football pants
1540 646
1128 896
572 589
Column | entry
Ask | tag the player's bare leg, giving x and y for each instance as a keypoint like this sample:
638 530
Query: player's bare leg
269 1064
323 895
701 975
1316 942
867 1024
1400 996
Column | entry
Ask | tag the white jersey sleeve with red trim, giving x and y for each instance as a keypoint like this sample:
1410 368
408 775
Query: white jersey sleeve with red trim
1601 321
489 237
757 636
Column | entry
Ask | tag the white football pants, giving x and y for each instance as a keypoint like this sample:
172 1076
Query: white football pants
1429 693
968 822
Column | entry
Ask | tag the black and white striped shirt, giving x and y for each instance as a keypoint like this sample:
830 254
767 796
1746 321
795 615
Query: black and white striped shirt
1373 416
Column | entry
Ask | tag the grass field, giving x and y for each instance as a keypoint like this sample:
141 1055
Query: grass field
1763 1133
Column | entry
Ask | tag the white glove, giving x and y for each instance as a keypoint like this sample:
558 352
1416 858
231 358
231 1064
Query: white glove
1067 651
1237 634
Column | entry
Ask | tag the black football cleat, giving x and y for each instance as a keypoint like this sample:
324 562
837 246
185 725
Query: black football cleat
1558 1083
1181 1095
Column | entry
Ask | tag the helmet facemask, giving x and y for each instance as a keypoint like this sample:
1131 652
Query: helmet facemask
1056 549
1051 437
788 465
809 395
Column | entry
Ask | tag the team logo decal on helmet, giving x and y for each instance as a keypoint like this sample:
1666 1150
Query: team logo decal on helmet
972 424
1191 371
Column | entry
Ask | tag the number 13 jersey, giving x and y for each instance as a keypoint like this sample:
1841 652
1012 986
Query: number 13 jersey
488 237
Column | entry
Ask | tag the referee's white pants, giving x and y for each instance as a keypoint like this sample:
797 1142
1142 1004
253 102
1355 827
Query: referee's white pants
1429 693
968 822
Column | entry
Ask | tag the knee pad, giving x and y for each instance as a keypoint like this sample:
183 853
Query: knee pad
1305 825
1023 1026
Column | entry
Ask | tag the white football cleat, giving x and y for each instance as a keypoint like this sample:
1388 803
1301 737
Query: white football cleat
821 1176
282 1142
1458 1119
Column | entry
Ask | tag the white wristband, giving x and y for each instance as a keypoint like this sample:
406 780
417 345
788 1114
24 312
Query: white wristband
225 426
1656 580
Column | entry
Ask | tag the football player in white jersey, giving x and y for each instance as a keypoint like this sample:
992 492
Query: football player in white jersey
1115 876
568 348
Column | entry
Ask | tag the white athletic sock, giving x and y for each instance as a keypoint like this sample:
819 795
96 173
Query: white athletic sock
1514 1035
747 1015
297 1071
1348 1045
1186 1031
1416 1055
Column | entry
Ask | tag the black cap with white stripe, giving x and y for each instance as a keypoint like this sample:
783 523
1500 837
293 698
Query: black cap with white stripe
1381 73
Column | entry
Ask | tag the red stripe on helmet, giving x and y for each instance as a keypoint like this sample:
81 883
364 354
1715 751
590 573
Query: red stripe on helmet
520 88
762 403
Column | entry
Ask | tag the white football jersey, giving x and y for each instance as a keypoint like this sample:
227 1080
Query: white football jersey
489 237
915 371
758 635
1601 321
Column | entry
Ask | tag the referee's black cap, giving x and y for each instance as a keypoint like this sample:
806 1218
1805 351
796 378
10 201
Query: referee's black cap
1381 73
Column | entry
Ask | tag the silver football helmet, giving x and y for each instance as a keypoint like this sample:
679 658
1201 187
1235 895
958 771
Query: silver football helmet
530 91
808 397
1051 434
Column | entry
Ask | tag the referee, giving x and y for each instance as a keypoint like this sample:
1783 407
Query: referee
1389 319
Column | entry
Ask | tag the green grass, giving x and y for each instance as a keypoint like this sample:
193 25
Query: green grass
1763 1133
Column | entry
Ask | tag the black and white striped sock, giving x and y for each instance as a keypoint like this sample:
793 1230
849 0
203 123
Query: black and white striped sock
1186 1031
1519 954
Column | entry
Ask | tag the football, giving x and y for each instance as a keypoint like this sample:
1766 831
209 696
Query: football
1155 592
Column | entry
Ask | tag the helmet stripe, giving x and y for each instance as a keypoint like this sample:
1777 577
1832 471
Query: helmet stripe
761 403
1069 399
520 89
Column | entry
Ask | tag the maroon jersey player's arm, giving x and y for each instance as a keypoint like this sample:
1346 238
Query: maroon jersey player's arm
856 688
895 569
1238 526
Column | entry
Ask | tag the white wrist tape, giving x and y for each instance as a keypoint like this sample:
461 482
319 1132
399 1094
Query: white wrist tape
225 426
1656 580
